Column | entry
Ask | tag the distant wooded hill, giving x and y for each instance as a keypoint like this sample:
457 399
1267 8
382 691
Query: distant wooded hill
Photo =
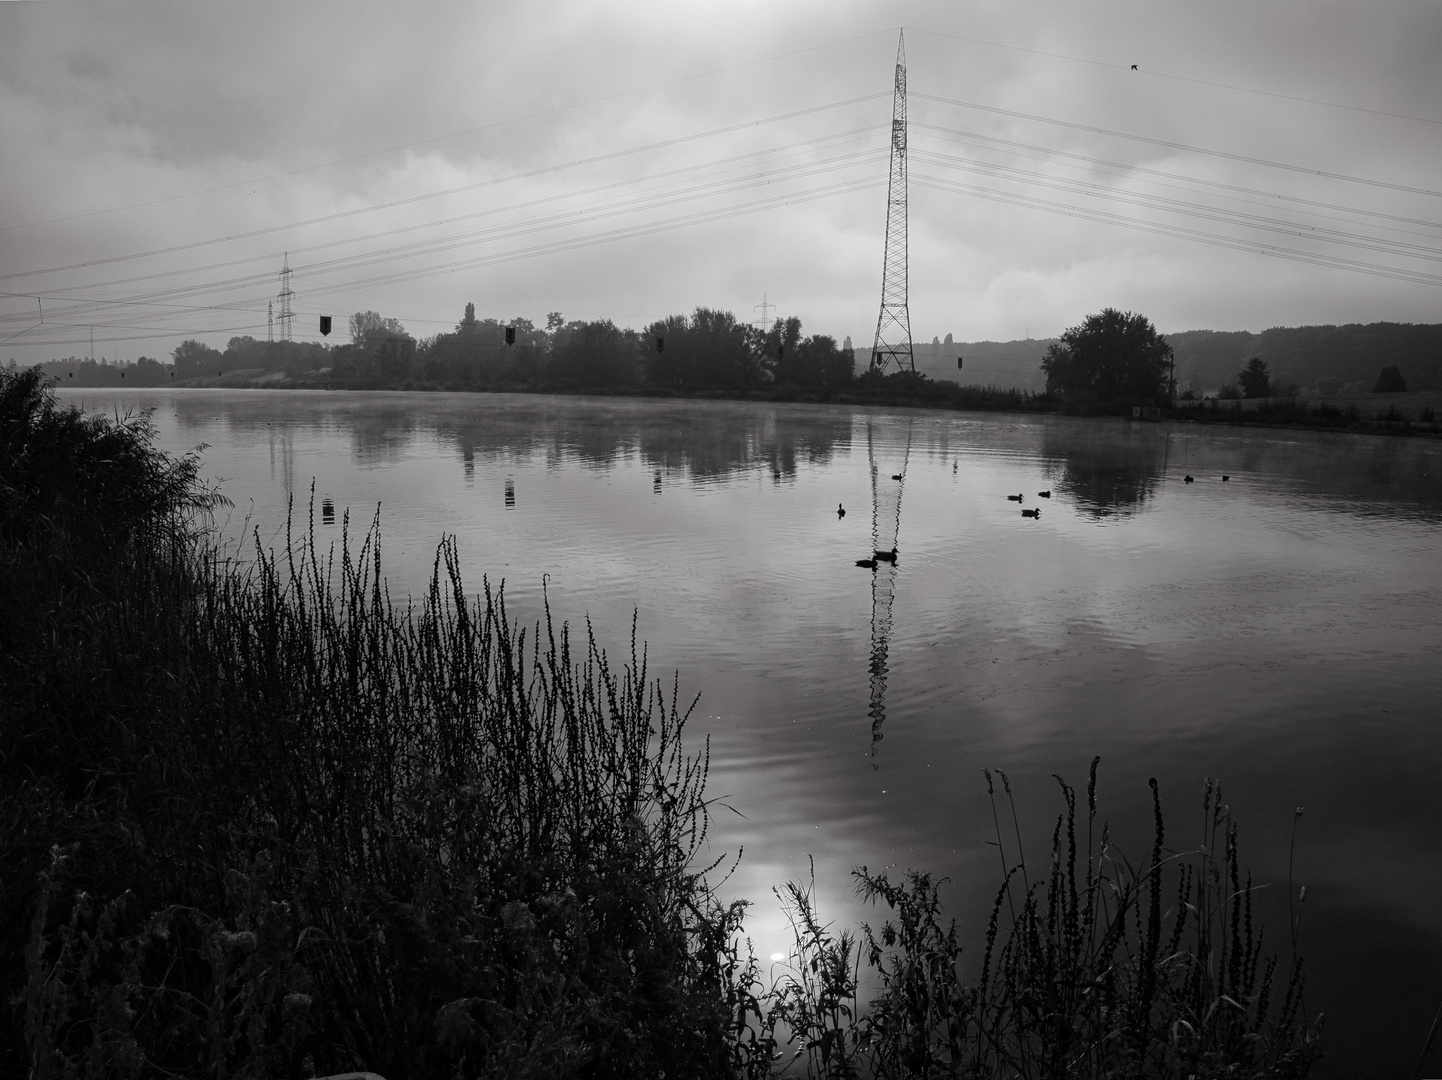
1353 355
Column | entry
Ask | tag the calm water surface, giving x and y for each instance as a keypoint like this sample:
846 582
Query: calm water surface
1281 631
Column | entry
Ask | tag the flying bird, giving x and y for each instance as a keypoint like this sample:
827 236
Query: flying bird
1134 67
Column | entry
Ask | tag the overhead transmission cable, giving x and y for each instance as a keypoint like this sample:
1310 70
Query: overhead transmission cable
1271 196
733 161
1178 231
530 174
1121 174
653 228
1190 209
509 230
1307 170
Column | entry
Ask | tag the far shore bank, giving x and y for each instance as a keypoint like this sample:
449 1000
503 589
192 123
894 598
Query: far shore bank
1406 414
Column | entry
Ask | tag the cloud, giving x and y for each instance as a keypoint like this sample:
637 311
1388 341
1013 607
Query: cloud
326 108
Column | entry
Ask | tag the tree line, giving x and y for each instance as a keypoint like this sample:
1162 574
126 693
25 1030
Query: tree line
705 350
1110 359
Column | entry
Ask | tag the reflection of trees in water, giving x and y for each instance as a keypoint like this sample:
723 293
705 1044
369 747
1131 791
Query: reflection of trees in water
705 441
380 432
1106 472
702 439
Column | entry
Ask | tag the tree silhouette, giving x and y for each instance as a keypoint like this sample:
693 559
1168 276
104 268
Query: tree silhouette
1255 379
1390 381
1112 356
367 328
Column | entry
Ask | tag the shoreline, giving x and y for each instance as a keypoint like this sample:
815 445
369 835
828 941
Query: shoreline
1343 415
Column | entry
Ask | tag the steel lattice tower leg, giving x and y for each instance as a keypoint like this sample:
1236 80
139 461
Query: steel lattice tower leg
893 327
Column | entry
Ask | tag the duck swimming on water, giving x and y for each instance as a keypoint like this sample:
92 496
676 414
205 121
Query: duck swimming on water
870 564
886 556
1013 498
1188 479
1032 513
1043 494
840 510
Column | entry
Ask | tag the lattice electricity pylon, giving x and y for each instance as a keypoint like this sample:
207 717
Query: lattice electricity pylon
893 327
287 316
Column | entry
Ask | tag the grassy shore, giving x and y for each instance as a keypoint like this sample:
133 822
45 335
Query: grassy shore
260 820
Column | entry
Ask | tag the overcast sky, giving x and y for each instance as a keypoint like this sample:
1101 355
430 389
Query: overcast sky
1265 164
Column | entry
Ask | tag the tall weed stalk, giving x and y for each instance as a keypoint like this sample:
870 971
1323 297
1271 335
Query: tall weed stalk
1101 968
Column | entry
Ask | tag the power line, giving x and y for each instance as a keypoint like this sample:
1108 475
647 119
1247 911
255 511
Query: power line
1334 236
731 161
558 247
529 175
514 229
1182 146
1183 233
1201 181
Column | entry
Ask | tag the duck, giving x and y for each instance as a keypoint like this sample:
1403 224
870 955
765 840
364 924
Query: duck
1225 478
870 564
1043 494
886 556
840 510
1032 513
1188 479
1013 498
896 476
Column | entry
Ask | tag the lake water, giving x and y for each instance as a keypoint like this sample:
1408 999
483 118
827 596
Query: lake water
1281 630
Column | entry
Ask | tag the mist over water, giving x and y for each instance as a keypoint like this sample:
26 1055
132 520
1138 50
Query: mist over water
1281 630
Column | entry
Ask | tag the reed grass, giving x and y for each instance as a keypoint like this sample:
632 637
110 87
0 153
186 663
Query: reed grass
1095 967
264 821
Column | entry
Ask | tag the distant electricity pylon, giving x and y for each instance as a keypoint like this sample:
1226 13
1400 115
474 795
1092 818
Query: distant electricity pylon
269 321
893 326
765 306
287 316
